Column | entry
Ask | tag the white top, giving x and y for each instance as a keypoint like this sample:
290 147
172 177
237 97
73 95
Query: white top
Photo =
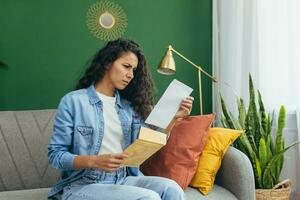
113 135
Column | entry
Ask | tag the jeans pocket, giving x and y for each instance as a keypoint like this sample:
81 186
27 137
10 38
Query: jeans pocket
66 192
74 186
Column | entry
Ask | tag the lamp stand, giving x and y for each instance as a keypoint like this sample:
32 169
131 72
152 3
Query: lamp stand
200 70
200 91
167 67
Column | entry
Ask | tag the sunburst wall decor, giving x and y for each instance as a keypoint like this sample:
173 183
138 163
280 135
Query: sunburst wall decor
106 20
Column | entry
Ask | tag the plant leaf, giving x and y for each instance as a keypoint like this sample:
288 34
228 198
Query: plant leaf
242 112
252 119
226 115
262 112
263 153
274 159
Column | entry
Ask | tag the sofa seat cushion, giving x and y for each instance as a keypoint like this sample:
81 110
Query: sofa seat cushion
190 193
217 192
33 194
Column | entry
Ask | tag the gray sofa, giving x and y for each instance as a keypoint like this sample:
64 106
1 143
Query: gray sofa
26 175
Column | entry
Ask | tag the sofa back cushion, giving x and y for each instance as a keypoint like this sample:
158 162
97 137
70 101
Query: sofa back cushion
24 136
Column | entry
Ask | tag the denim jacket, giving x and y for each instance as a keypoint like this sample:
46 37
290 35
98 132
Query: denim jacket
78 130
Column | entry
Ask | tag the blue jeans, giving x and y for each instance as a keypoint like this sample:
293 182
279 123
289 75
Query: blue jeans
118 186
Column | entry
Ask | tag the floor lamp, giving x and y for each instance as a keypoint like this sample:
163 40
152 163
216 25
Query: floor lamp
167 67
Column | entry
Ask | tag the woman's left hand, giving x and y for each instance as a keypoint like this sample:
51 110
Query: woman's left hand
185 108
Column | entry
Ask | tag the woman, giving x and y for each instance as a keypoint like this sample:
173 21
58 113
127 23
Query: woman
96 122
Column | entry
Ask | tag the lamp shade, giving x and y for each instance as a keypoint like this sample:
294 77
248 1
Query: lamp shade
167 64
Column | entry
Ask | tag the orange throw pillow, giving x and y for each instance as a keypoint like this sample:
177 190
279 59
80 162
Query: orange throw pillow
179 158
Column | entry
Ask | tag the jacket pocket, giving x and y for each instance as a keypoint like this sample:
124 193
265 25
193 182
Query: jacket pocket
84 139
85 130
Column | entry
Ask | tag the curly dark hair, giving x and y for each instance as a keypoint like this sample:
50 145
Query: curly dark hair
140 90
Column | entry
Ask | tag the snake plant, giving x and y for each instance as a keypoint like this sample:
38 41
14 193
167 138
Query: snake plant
265 152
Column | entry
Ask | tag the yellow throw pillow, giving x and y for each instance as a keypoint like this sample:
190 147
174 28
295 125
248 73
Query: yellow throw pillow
210 160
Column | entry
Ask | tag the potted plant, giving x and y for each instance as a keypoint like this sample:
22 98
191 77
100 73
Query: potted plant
265 153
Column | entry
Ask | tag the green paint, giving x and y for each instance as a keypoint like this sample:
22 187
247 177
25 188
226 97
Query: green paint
46 45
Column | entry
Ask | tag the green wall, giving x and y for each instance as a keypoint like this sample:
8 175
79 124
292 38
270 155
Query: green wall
46 45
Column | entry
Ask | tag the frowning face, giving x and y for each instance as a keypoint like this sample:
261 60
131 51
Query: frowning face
121 71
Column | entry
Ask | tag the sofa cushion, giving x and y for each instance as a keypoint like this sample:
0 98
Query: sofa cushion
34 194
216 193
210 160
179 158
24 137
190 194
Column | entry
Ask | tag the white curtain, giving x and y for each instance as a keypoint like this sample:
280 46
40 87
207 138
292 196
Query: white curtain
261 37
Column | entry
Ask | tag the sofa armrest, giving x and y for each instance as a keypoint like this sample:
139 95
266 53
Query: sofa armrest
236 174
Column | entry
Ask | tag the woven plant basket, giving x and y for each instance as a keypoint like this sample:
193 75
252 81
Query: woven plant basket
281 191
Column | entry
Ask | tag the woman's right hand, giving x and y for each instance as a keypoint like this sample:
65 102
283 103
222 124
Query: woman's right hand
108 162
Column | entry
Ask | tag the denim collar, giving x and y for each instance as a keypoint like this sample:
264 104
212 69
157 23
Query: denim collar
94 98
